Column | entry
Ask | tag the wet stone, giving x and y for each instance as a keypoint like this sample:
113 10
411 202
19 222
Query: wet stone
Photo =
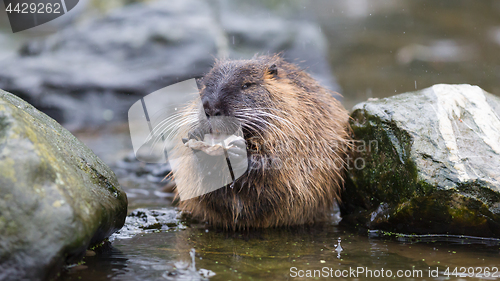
427 162
57 197
147 221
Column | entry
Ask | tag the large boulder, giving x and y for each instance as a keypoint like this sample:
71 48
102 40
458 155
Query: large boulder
92 73
427 162
56 196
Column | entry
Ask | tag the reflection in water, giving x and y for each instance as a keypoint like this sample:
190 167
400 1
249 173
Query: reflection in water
427 238
108 263
197 252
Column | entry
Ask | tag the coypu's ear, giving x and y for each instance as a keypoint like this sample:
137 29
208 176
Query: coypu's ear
273 70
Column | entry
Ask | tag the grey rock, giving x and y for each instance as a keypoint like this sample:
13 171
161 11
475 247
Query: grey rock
90 74
56 197
427 162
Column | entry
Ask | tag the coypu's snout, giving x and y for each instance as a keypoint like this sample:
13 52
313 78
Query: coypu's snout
218 118
212 108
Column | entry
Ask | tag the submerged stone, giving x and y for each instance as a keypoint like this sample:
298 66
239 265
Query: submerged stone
56 197
427 162
146 221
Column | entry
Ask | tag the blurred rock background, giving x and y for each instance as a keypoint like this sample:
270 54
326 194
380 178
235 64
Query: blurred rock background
90 73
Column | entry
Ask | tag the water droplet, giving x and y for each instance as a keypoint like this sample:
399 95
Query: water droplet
338 248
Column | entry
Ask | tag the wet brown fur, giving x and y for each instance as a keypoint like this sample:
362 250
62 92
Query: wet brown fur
316 127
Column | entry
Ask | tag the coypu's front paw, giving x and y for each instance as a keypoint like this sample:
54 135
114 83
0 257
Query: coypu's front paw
237 154
237 148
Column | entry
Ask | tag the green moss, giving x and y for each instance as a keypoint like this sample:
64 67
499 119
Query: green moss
425 188
3 126
99 245
390 175
478 190
445 211
98 178
3 222
7 170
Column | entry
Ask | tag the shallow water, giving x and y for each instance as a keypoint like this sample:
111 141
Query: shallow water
276 254
162 251
377 49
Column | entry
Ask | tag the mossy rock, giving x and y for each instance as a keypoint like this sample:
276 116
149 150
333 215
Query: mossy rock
426 162
57 197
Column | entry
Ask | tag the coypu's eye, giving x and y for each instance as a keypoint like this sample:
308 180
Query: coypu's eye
247 85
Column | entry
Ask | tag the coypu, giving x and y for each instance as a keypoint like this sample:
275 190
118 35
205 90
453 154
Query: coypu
286 117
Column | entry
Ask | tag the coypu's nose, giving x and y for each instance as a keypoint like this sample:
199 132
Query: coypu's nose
211 110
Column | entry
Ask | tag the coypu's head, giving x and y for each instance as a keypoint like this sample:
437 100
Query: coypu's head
234 96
